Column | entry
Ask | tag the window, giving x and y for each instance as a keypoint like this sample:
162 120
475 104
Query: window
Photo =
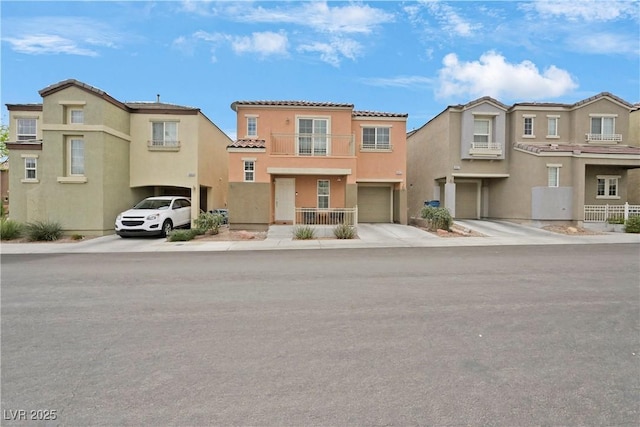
481 130
312 137
553 172
30 168
76 116
76 156
26 130
602 125
164 134
607 187
323 194
552 126
249 170
252 126
376 138
528 126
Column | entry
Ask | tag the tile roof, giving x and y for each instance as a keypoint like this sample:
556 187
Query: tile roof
292 104
377 114
576 104
579 149
248 143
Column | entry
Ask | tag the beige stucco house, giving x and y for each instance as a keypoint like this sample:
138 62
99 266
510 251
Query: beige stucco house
527 161
82 156
298 162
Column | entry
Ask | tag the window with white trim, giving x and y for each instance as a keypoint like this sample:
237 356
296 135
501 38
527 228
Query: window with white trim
323 193
552 126
481 131
553 174
164 134
376 138
528 126
26 129
252 126
30 168
607 187
76 156
603 125
313 137
249 170
76 116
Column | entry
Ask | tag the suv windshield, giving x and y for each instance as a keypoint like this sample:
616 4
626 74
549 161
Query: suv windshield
153 204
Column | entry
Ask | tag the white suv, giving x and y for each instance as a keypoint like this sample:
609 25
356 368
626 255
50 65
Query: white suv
155 216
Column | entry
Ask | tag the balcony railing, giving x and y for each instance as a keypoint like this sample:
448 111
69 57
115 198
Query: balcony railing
486 149
163 145
333 216
311 144
602 137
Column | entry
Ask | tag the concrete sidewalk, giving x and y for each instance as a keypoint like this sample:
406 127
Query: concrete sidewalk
496 233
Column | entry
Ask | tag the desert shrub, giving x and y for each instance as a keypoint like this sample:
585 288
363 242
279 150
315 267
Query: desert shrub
210 222
344 231
77 237
10 229
304 232
616 219
632 225
43 231
182 235
437 218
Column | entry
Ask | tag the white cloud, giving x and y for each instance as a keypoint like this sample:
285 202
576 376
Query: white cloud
198 7
585 10
493 76
60 35
418 82
352 18
264 44
605 43
450 21
332 52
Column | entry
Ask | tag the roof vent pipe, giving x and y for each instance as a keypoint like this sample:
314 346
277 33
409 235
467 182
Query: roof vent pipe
158 98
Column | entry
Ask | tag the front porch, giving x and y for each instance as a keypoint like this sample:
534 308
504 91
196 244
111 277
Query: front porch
610 213
333 216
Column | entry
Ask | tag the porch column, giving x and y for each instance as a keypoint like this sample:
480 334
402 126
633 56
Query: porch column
579 172
450 197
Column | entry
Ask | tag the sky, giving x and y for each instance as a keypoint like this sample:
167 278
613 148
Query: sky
413 57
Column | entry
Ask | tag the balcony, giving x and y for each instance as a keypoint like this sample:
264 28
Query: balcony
312 145
488 149
612 138
163 145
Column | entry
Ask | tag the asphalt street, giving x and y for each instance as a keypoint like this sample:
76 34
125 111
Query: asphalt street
503 336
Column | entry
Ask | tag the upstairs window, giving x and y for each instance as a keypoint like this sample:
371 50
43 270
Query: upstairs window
76 156
30 169
26 129
164 134
603 125
528 126
252 126
312 137
376 138
552 126
481 131
76 116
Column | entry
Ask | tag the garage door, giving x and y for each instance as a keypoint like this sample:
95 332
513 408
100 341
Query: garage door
374 204
466 200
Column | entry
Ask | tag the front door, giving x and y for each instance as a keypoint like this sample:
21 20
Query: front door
285 199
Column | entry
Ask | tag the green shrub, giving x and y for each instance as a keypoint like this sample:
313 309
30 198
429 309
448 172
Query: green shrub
77 237
207 221
43 231
182 235
10 229
304 232
616 219
437 218
3 211
344 231
632 225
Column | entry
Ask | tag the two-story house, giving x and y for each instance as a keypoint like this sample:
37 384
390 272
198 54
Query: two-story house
316 163
528 161
81 157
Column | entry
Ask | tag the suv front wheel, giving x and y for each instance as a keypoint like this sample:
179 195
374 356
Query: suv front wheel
167 226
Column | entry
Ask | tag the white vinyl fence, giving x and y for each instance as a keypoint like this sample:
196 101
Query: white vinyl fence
602 213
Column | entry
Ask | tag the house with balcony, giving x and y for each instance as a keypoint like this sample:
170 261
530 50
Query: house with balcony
527 161
81 157
298 162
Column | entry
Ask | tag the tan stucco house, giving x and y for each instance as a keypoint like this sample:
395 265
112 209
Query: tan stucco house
298 162
527 161
81 157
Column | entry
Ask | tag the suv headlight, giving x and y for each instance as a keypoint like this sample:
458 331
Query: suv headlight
153 217
119 217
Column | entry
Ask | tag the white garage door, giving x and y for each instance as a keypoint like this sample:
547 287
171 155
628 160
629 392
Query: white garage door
374 204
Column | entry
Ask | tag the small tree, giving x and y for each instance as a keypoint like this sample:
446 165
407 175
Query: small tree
4 137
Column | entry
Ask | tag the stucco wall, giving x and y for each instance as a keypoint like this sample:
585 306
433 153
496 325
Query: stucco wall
249 205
